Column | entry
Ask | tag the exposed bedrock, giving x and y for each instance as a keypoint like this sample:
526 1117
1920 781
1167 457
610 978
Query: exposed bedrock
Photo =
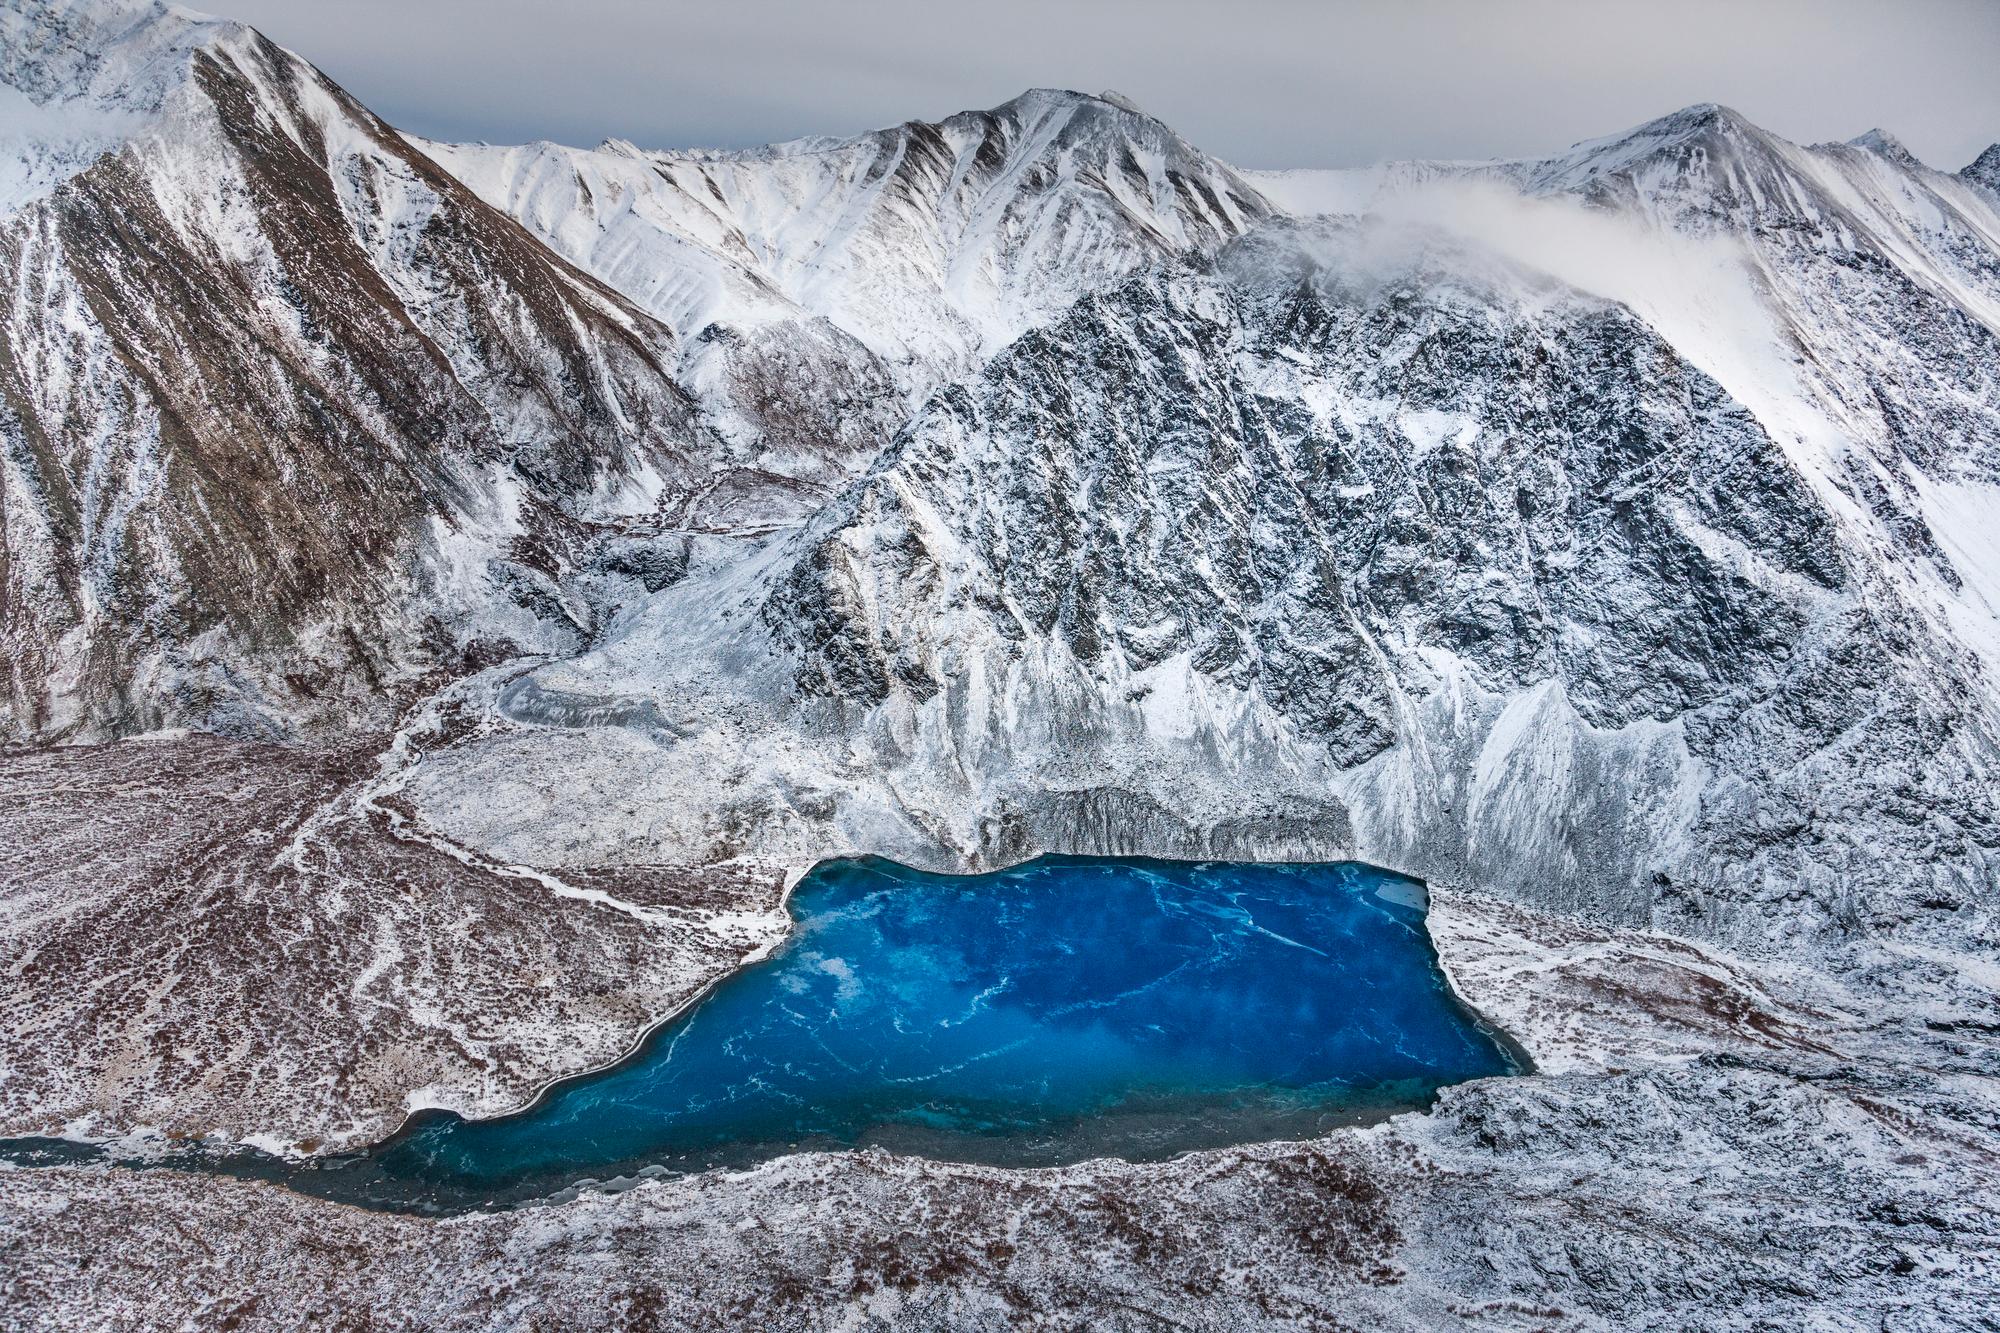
1428 560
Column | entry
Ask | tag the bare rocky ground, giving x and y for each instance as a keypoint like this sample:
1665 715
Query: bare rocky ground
217 938
1707 1143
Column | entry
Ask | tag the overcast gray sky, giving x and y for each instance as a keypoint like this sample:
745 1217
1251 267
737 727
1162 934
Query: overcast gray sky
1259 82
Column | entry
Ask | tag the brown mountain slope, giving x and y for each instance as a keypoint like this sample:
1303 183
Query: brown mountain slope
275 391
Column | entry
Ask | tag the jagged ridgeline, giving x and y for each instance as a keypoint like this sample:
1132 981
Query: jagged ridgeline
1610 527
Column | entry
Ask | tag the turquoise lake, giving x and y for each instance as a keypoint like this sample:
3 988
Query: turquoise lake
1062 1010
1068 1008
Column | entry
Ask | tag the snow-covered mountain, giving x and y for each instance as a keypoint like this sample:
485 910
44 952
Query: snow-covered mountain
932 244
1613 526
1026 480
822 287
224 268
289 420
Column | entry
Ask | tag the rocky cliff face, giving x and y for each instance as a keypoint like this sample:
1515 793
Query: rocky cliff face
1636 584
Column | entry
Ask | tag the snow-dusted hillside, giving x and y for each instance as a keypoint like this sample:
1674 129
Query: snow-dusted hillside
932 244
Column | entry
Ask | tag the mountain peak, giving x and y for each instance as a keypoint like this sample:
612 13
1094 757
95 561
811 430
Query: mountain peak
126 53
1704 122
1984 169
1888 145
79 78
1041 100
1690 122
1697 118
1091 122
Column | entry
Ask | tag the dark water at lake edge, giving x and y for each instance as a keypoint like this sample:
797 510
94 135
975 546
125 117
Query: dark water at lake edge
1061 1010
